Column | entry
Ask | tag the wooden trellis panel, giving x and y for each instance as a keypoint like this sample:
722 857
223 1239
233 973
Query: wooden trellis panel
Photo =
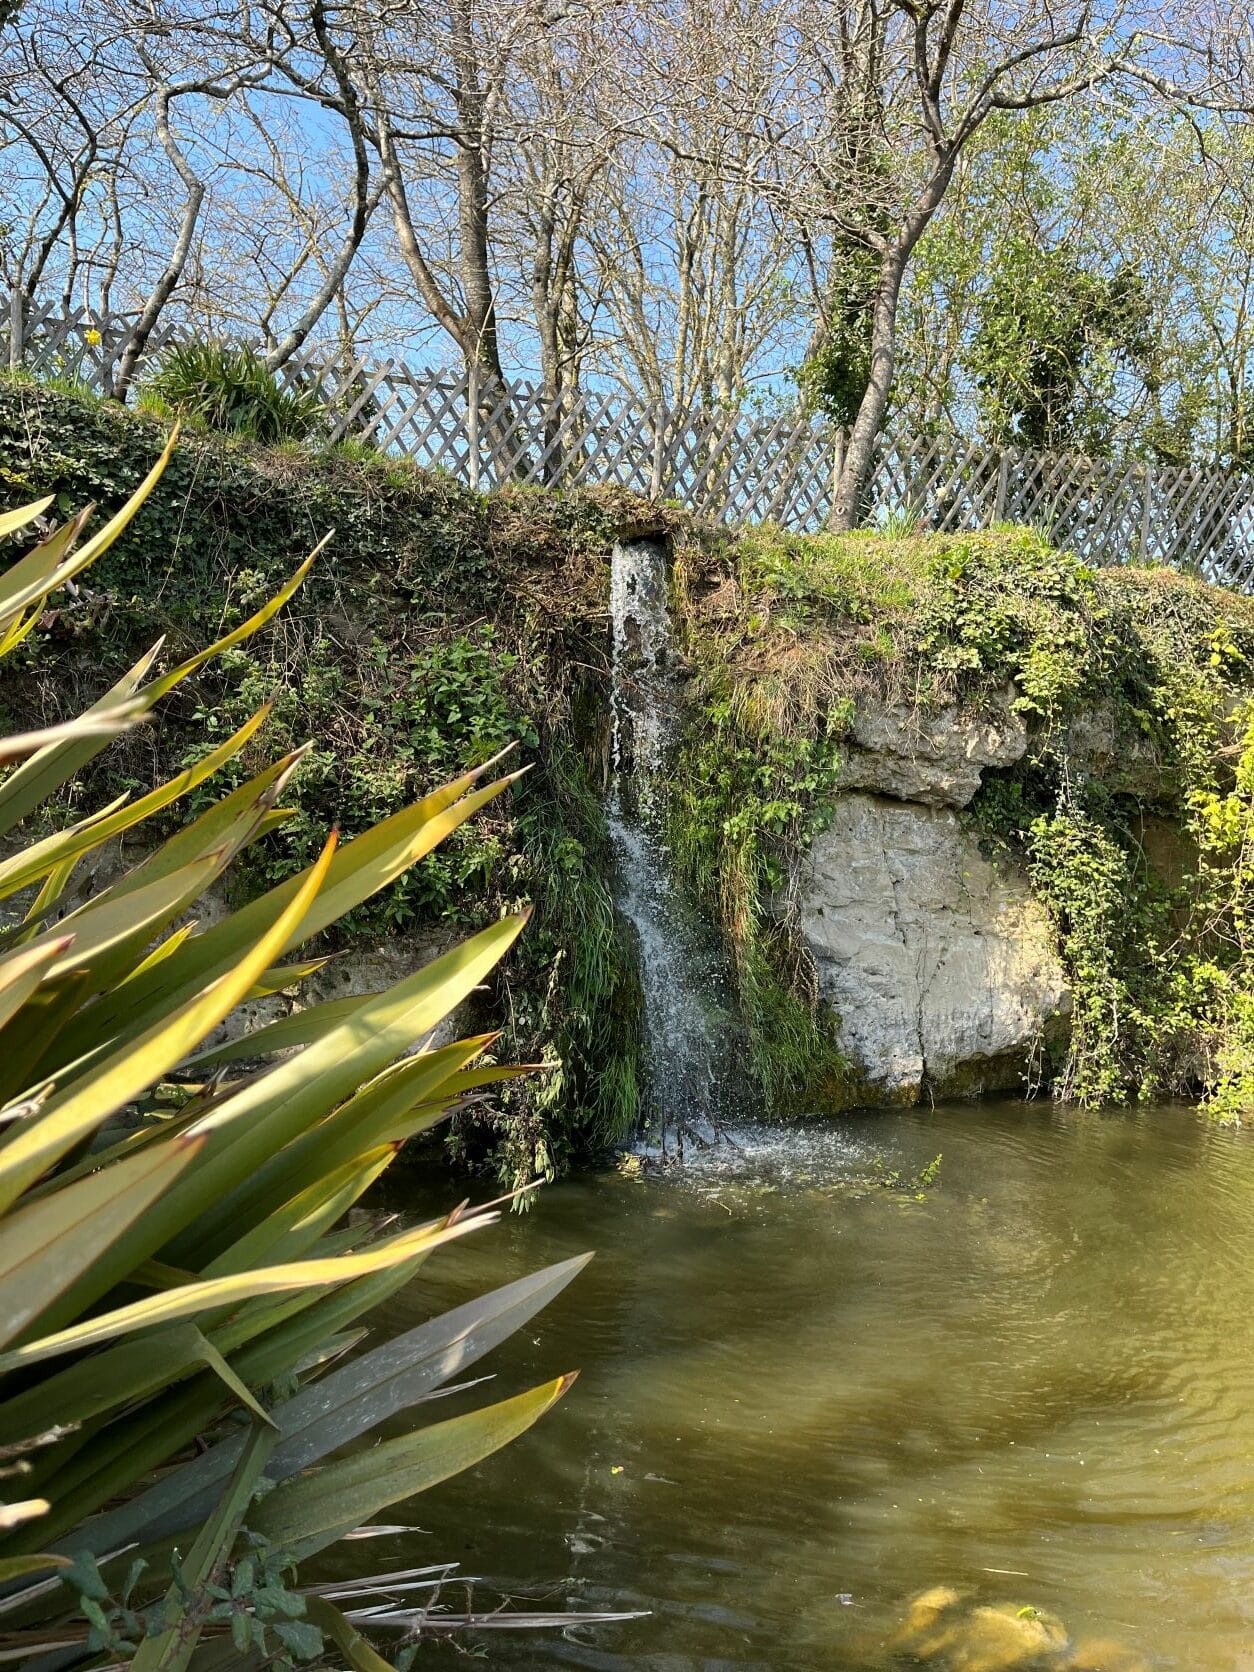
738 466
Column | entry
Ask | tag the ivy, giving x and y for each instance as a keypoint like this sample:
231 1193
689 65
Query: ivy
1152 669
1051 338
438 628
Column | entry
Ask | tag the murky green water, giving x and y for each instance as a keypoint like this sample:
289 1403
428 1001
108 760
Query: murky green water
806 1396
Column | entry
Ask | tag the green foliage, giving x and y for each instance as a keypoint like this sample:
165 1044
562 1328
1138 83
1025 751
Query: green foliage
1052 333
834 377
1085 875
1143 865
439 627
1150 669
916 1185
744 797
232 390
817 623
253 1601
178 1258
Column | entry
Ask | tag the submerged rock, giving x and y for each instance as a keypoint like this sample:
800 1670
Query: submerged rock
946 1630
931 1619
999 1639
942 1631
938 961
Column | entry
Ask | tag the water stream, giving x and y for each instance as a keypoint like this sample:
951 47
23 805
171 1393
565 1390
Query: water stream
683 987
807 1394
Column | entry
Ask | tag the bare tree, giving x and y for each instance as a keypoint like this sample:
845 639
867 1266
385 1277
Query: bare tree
60 134
692 252
566 131
435 78
335 90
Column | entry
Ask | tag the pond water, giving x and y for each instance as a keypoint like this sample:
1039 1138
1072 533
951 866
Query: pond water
807 1394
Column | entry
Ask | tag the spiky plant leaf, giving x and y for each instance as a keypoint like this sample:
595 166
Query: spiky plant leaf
163 1264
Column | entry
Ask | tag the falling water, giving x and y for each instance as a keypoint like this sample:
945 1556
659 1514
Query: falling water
684 992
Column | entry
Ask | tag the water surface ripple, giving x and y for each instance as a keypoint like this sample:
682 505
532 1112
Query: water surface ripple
807 1394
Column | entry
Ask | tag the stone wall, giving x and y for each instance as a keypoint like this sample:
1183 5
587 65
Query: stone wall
935 957
937 960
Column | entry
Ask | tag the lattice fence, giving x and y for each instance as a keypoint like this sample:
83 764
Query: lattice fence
738 466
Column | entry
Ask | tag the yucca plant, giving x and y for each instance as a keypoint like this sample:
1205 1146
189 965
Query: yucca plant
232 389
177 1276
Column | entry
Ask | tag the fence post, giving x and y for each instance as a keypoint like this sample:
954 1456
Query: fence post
1147 500
1003 482
17 347
659 442
472 423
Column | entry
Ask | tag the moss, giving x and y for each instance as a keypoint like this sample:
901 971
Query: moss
438 627
788 634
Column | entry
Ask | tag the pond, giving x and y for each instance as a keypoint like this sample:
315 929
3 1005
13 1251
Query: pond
813 1386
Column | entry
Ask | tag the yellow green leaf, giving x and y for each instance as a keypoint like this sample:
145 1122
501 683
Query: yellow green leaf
42 560
38 858
283 976
12 521
237 635
359 1654
172 1304
119 719
21 1567
28 786
108 922
306 1513
282 1035
294 1227
21 972
40 586
365 1120
272 1110
80 1109
46 1244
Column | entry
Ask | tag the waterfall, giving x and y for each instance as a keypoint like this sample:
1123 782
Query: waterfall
684 990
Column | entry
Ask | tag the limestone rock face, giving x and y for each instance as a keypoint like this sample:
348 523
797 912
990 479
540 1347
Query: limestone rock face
938 962
1122 759
932 757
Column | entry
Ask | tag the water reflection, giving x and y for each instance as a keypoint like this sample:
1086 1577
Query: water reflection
806 1396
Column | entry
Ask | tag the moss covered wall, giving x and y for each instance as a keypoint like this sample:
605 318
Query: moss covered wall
438 627
1131 805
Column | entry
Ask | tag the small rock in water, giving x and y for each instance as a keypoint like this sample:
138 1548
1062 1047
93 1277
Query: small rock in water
929 1623
947 1630
1003 1638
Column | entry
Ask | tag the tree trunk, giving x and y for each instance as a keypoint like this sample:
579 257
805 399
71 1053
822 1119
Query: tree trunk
146 324
860 449
137 342
472 199
364 201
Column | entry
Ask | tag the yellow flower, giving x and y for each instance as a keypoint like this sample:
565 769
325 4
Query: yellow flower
92 337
